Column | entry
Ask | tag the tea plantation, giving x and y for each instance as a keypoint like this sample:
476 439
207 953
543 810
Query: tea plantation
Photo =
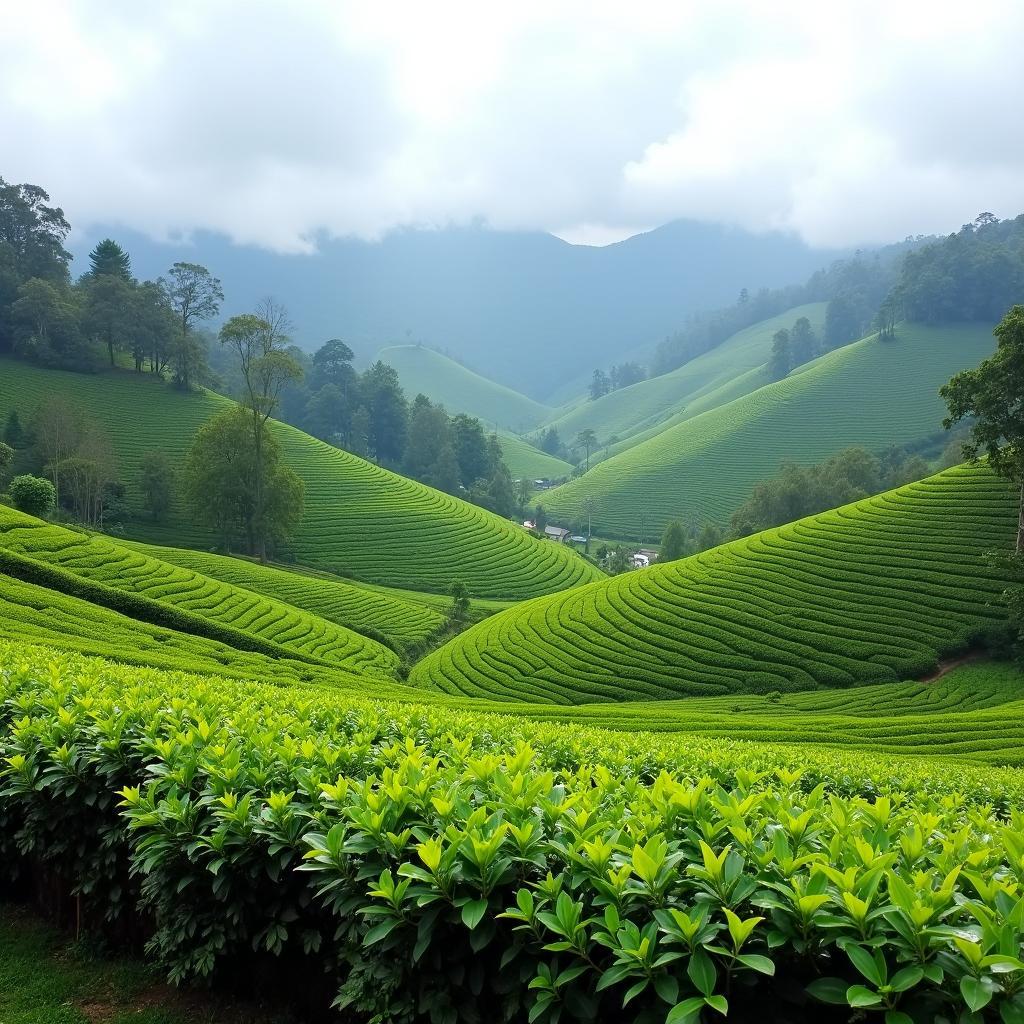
401 618
872 592
360 520
455 865
650 403
873 393
39 552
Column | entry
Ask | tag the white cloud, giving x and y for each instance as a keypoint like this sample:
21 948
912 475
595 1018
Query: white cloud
846 122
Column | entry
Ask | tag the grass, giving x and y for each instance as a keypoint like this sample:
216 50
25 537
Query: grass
650 403
46 979
287 630
360 520
458 389
871 393
872 592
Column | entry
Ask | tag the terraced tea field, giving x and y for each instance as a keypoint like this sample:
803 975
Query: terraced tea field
872 592
459 389
360 520
366 610
872 393
286 629
650 404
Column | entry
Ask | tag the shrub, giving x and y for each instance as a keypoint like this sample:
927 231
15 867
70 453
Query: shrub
33 495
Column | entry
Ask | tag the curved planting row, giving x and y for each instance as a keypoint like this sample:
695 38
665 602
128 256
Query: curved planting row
874 393
360 520
367 611
97 559
442 866
871 592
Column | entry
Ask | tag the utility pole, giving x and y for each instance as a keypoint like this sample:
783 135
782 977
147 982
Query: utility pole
643 532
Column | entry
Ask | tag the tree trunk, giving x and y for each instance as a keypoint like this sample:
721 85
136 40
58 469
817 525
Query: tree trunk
1020 521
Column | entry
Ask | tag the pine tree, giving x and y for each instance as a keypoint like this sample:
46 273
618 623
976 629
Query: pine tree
108 258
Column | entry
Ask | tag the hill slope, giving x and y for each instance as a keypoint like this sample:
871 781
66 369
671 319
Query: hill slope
650 402
459 389
873 393
523 460
204 600
360 520
871 592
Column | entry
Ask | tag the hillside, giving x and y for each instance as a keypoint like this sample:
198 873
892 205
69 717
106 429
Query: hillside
526 461
360 520
871 592
650 403
204 606
519 306
355 606
458 389
873 393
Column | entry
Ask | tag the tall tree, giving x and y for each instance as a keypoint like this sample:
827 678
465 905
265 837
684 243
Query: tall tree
803 343
781 359
992 396
260 341
33 232
218 482
156 480
107 313
194 295
109 259
673 542
587 440
387 413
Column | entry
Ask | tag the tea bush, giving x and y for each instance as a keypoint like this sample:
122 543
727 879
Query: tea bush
452 866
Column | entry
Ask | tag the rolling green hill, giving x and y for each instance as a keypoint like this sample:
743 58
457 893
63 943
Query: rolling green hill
360 520
872 592
873 393
459 389
359 607
525 461
650 403
206 603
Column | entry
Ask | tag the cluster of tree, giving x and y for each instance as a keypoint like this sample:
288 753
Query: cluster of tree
619 376
853 288
974 275
369 414
71 453
47 318
793 347
798 491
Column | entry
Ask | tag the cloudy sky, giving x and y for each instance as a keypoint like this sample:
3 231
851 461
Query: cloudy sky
271 122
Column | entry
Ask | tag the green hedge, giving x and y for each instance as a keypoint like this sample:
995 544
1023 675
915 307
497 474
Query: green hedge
456 867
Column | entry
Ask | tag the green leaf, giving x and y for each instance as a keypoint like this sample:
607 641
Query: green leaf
702 972
756 962
865 963
976 995
634 990
686 1012
907 978
667 987
858 995
718 1003
829 990
473 912
1012 1010
898 1017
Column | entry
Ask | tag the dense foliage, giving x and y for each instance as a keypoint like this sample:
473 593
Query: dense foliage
974 275
799 491
871 592
447 866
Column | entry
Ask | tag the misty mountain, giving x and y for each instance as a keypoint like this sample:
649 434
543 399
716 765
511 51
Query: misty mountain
525 308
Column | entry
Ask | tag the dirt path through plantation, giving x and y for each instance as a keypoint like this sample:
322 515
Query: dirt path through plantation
947 666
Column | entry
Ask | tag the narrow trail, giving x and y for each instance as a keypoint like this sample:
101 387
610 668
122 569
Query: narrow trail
947 666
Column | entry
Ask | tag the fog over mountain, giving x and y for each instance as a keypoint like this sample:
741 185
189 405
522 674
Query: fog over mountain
526 308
